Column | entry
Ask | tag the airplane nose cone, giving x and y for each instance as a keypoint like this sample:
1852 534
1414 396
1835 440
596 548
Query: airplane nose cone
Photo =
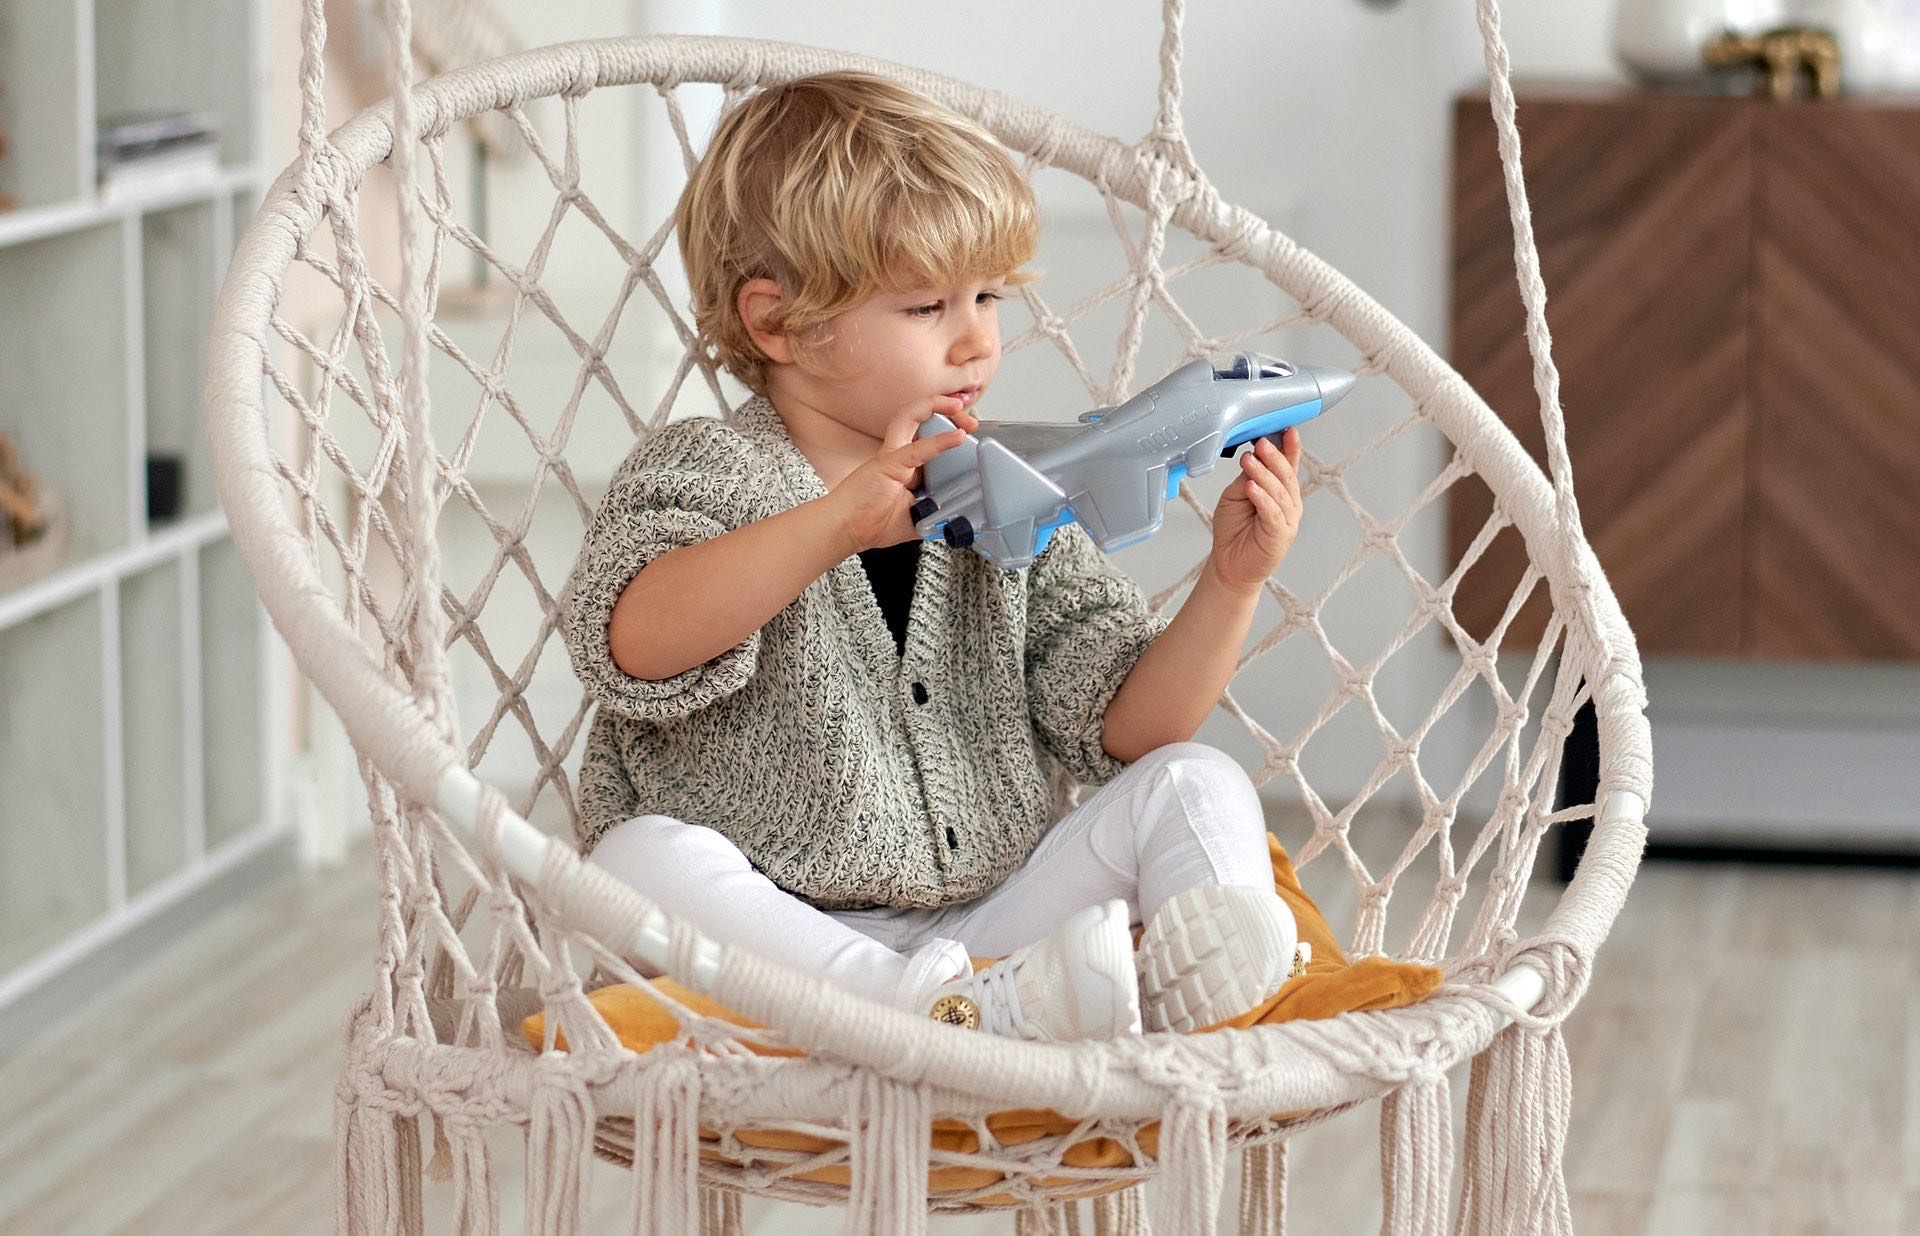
1334 383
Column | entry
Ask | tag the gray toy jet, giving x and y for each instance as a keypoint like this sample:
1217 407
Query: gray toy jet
1010 484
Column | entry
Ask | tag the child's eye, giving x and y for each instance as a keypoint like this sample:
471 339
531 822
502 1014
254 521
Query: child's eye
925 311
987 298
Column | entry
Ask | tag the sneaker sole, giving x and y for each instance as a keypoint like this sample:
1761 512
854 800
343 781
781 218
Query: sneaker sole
1102 946
1210 954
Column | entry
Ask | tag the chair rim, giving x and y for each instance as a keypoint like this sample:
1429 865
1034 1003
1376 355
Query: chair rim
387 724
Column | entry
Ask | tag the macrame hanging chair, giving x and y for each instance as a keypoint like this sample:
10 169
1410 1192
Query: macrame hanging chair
337 491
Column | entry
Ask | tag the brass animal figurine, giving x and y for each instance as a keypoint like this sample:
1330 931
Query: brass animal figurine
21 518
1782 55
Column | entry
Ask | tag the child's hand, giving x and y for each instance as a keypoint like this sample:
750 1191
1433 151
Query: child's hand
1259 514
874 500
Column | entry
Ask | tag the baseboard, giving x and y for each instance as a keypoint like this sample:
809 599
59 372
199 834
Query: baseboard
138 941
1783 855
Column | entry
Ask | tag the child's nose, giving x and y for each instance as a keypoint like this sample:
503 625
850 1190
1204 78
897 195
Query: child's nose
977 338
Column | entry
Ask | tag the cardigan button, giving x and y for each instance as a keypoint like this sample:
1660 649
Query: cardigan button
919 693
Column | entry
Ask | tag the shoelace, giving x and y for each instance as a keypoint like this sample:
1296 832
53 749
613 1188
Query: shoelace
998 997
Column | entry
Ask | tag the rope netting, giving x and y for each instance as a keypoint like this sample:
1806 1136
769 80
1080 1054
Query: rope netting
354 511
1402 750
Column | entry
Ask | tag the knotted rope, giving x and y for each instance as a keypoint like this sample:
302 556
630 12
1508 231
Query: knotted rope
1512 1164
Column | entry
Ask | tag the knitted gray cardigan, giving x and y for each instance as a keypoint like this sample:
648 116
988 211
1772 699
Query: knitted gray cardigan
849 773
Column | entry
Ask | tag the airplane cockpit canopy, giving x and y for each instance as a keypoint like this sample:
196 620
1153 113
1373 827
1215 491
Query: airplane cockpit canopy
1243 365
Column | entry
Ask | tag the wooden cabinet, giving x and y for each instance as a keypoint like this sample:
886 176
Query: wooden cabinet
1734 295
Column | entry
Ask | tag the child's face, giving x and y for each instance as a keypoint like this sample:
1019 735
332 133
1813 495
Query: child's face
922 351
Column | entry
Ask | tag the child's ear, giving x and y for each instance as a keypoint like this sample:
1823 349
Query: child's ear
754 302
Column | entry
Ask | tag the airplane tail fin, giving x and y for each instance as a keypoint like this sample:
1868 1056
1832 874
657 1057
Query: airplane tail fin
1011 487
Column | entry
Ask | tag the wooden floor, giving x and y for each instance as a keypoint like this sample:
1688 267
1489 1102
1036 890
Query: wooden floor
1746 1062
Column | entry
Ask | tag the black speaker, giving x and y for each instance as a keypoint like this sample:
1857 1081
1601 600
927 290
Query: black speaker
166 487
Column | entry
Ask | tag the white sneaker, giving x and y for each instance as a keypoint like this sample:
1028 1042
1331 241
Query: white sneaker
1077 983
1212 953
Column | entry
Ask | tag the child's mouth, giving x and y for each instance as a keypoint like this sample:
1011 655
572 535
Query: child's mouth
966 396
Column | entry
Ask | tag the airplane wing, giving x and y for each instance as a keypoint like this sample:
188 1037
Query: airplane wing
1119 508
1027 440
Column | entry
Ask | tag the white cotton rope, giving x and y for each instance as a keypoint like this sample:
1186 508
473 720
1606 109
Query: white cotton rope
1416 1158
889 1124
1526 261
476 1198
719 1213
1193 1161
559 1152
877 1075
1517 1114
451 33
1121 1213
666 1145
1263 1189
432 682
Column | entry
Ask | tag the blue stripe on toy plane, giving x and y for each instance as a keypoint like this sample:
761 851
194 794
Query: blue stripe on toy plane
1272 423
1046 531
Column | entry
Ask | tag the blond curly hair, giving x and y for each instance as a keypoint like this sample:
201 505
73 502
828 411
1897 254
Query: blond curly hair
838 186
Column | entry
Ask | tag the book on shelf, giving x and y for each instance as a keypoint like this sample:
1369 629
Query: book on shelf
146 153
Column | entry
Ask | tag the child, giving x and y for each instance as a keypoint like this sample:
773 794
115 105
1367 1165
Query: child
823 740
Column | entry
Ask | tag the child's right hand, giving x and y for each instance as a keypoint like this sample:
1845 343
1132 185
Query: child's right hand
874 500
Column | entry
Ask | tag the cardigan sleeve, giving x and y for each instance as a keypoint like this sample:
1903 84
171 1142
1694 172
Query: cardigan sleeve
1087 624
680 487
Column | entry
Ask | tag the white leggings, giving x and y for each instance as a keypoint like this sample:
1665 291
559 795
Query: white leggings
1180 816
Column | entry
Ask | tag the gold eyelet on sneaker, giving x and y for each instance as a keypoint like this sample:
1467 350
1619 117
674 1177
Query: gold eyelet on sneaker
956 1011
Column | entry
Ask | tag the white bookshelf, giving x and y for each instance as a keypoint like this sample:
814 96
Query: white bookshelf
139 722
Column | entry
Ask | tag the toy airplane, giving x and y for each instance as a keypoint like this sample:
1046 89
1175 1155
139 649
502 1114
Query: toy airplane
1009 485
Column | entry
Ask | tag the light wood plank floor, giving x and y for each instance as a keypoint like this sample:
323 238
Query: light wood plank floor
1746 1062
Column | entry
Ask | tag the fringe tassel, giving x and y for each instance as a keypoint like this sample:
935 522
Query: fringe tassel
346 1220
1048 1219
1263 1190
1193 1155
476 1200
374 1148
408 1175
377 1165
889 1139
719 1212
1121 1213
667 1200
559 1154
1416 1158
1518 1102
440 1166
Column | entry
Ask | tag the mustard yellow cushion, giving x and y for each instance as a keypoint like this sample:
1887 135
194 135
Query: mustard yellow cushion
1331 985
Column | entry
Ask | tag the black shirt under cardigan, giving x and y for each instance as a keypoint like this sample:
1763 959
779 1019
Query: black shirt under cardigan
892 570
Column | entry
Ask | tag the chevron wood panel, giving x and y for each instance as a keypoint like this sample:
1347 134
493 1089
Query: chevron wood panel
1642 208
1834 552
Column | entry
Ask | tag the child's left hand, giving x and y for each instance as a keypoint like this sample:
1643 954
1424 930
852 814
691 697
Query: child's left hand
1259 514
